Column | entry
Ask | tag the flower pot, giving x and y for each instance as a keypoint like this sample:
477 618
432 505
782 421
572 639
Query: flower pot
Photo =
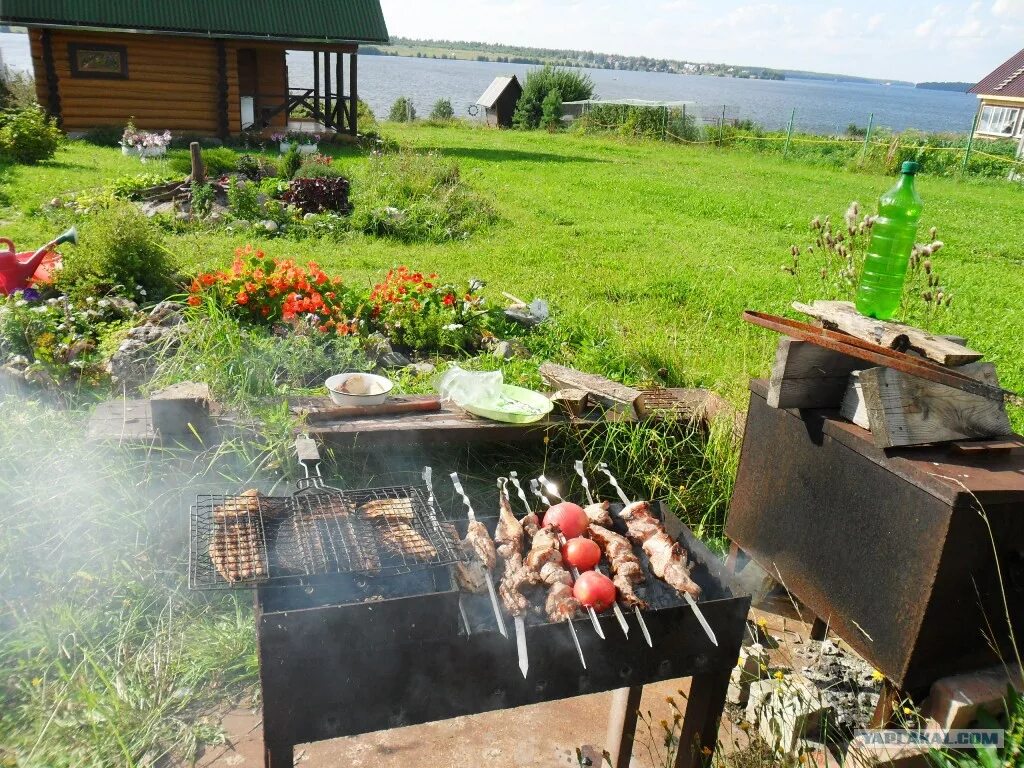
285 146
307 149
126 150
152 151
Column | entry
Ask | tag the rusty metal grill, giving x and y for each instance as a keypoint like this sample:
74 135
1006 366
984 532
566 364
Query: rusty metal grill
239 541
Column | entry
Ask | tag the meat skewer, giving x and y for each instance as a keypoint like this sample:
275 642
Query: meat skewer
535 486
509 538
514 476
671 560
578 466
478 541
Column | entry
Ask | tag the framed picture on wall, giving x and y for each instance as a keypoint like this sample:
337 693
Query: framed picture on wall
98 61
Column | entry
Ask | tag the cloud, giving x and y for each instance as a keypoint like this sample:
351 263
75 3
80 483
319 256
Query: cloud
875 22
924 29
1008 9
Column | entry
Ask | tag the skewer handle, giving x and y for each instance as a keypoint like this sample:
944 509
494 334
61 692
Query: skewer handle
615 483
578 466
535 489
514 476
550 487
465 499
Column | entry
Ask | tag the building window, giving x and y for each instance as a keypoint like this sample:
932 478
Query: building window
98 61
998 120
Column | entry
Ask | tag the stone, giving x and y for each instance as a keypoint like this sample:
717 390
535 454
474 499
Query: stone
794 710
154 208
829 648
954 701
269 225
147 334
506 350
182 411
422 368
167 314
183 216
758 695
752 666
136 359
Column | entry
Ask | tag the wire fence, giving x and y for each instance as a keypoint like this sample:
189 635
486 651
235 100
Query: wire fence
872 146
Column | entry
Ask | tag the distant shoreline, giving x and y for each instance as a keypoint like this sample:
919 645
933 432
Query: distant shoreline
513 54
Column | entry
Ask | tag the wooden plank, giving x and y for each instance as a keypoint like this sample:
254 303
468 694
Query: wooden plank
843 316
612 395
805 375
988 446
324 410
905 410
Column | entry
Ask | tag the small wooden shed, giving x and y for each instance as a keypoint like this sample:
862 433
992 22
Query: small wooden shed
499 100
213 67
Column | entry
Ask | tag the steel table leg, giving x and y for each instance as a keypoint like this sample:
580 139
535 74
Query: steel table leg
704 705
622 724
278 755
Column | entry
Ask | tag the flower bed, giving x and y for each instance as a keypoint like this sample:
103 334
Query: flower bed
144 144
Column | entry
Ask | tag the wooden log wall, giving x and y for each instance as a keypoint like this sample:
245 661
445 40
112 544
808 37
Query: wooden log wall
172 83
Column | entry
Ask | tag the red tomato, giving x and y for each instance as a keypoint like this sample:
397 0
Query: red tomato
594 590
581 553
570 518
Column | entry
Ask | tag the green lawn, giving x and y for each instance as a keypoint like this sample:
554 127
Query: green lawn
660 247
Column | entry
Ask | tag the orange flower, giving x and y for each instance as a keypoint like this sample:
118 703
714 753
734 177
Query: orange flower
194 301
242 298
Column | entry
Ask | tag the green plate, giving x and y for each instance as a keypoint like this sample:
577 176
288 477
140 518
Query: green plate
515 405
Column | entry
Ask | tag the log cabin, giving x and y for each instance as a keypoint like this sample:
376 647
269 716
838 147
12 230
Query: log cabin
208 67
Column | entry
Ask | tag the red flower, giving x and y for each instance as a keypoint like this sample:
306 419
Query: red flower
449 300
194 301
242 298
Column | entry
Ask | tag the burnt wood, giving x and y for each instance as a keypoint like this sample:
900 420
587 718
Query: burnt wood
890 547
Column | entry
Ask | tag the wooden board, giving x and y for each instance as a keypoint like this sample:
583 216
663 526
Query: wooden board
905 410
324 409
612 395
805 375
451 424
843 316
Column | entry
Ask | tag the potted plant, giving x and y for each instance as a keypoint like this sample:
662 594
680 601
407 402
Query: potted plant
144 144
306 142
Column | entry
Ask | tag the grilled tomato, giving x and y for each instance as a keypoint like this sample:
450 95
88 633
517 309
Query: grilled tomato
581 553
594 590
570 518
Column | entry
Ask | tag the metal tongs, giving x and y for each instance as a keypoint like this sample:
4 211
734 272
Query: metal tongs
690 601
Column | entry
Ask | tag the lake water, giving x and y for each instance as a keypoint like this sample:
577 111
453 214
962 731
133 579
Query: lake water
821 106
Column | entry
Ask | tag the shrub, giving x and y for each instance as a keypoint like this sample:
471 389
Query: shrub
17 88
119 246
27 135
314 170
402 111
442 110
201 199
291 161
672 123
104 135
268 290
364 116
414 197
570 84
417 312
319 195
249 167
551 111
244 200
216 161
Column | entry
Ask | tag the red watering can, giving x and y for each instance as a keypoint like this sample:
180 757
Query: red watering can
17 270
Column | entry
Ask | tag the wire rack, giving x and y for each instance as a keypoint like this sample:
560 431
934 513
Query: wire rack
244 541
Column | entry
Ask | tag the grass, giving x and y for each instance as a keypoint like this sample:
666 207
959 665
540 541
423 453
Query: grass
648 253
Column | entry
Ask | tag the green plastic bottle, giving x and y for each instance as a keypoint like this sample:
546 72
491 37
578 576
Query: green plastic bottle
892 240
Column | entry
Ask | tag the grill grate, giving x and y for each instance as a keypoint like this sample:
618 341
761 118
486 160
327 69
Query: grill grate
248 540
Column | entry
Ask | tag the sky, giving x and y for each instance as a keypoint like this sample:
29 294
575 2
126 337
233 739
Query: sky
899 40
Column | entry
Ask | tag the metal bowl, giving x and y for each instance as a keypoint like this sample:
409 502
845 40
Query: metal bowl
357 388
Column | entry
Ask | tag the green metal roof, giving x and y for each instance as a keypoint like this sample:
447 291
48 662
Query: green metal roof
315 20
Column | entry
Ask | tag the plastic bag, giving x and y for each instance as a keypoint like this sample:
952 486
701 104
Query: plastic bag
462 387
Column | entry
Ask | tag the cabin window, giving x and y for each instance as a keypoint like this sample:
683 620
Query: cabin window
98 61
998 120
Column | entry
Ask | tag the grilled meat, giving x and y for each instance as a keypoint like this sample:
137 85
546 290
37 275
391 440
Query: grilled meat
236 551
248 504
478 543
544 549
471 576
396 520
598 514
668 559
625 565
560 605
531 524
321 537
509 533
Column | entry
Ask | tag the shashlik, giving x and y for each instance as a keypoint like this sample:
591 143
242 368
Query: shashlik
236 551
626 569
396 517
598 514
668 558
472 574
